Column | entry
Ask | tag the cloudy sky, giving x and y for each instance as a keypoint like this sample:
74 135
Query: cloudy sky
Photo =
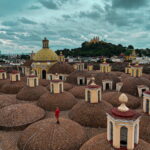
67 23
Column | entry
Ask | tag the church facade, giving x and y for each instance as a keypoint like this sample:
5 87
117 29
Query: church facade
43 60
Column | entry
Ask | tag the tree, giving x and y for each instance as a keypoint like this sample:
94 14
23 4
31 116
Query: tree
130 47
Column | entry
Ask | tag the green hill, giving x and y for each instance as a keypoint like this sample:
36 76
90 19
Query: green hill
101 48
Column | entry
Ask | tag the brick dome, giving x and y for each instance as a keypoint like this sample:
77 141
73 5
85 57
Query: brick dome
12 87
47 135
145 127
63 68
100 142
63 100
88 114
20 115
31 93
112 98
78 91
130 84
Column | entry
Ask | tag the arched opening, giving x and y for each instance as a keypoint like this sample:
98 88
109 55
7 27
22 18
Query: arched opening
89 96
35 82
147 106
123 136
136 134
111 131
81 81
137 72
60 88
107 86
3 76
143 90
17 78
28 82
50 77
60 77
52 88
132 72
43 74
99 96
35 72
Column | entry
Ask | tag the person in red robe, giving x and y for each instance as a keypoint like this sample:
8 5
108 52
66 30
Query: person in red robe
57 112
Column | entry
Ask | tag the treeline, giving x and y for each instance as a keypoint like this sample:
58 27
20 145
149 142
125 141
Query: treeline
102 49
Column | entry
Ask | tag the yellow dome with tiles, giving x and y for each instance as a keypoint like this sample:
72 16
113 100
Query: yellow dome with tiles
45 54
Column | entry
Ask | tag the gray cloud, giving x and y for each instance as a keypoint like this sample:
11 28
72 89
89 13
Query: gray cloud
93 15
55 4
122 18
10 23
31 37
66 17
95 12
50 4
26 21
129 4
116 18
73 22
9 7
34 7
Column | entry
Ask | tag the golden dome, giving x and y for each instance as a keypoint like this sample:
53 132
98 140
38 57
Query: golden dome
45 54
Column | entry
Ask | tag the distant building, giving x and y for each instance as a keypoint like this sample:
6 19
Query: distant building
95 40
132 56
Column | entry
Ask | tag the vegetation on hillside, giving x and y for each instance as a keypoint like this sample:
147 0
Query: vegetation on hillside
102 48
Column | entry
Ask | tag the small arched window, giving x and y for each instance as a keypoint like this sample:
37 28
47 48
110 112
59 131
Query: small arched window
123 136
137 72
3 75
111 131
52 90
60 88
99 96
147 106
17 77
89 96
35 84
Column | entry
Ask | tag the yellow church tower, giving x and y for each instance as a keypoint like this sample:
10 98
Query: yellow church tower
93 92
43 60
128 69
61 57
89 67
79 66
123 126
105 67
132 56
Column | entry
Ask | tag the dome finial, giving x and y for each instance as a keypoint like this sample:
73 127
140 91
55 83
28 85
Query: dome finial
56 76
93 81
123 99
129 64
104 60
32 72
137 63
